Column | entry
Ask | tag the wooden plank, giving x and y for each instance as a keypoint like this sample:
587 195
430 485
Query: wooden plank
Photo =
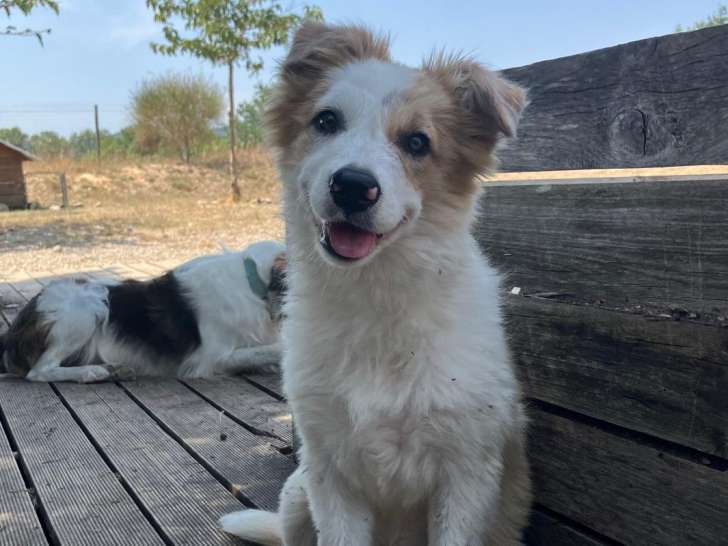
127 272
42 277
84 501
248 404
630 492
662 377
19 523
179 493
273 382
545 530
655 247
11 302
147 270
653 102
27 289
248 463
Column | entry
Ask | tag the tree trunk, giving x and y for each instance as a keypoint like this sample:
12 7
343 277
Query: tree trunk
231 136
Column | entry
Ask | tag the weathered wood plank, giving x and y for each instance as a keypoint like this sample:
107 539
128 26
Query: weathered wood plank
655 102
19 523
26 288
665 378
270 381
658 245
632 493
248 463
85 503
248 404
11 302
545 530
178 492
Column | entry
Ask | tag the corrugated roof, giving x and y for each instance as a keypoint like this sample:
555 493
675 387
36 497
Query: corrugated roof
26 155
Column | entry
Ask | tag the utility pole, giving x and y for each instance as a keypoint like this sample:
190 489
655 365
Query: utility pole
98 134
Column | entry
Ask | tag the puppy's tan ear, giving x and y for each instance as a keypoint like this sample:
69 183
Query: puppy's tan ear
492 103
318 47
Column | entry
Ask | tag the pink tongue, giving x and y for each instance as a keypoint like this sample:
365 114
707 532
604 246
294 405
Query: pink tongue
350 241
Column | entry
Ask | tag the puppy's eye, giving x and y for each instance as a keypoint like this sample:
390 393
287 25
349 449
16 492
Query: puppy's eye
327 122
416 144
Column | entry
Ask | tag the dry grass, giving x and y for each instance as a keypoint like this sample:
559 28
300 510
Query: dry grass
127 211
163 211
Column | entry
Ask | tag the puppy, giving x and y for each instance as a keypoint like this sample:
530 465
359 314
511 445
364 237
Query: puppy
214 314
395 361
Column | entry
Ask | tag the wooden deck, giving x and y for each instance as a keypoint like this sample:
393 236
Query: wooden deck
143 462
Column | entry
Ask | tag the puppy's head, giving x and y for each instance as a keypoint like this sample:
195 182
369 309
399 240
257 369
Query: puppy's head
373 151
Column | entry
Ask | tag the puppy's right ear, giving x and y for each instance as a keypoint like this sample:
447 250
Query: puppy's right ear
316 49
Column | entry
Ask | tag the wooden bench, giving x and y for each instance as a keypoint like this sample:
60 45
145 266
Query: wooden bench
619 327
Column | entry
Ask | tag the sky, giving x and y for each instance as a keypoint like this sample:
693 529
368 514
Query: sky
98 51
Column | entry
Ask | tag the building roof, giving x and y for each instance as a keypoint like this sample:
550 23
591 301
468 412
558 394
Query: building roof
27 156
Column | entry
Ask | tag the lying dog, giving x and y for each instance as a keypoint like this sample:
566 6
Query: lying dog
395 360
215 314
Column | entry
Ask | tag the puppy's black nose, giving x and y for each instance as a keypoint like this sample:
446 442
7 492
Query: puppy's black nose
354 190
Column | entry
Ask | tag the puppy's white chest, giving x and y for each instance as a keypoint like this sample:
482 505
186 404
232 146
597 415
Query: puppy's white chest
392 454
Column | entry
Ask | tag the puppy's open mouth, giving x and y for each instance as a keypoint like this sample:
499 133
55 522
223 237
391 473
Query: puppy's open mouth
349 242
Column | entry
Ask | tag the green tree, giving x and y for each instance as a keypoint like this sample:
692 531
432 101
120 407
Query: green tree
25 7
250 117
717 18
120 144
16 137
82 143
225 32
49 144
175 111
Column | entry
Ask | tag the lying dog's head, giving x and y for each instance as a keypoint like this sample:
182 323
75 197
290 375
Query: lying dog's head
372 150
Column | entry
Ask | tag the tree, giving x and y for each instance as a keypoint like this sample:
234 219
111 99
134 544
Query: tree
250 117
82 143
717 18
25 7
225 32
176 111
49 144
16 137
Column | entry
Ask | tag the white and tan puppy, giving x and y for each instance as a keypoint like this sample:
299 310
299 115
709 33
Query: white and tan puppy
395 359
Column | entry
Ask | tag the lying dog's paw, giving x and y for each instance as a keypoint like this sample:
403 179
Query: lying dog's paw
94 374
120 373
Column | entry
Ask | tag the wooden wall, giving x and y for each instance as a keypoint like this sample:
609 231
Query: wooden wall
12 182
620 332
619 325
656 102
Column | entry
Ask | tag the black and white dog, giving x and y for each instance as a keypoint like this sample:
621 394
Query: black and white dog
212 315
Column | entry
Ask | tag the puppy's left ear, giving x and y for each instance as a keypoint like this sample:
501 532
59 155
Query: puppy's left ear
492 105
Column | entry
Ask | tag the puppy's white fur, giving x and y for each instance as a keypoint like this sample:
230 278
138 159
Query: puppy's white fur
396 367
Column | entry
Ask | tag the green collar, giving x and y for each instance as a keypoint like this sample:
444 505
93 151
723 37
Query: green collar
254 281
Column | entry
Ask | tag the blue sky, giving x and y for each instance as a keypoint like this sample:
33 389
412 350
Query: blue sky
99 49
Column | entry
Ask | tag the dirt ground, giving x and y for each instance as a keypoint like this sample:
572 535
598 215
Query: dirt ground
163 211
126 212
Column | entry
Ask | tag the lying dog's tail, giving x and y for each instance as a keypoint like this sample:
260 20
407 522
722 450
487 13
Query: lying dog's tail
254 525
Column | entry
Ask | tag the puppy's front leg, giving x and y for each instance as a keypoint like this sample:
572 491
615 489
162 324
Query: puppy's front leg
464 507
342 517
